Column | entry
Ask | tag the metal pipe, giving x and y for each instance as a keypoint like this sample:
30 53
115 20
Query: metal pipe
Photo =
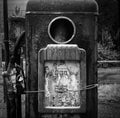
6 36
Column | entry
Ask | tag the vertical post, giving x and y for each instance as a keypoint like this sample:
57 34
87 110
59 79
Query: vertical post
6 43
18 95
0 55
6 38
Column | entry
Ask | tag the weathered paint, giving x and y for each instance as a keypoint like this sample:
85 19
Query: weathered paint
37 38
45 6
62 84
67 66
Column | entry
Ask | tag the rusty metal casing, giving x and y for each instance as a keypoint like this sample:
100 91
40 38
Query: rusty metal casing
40 14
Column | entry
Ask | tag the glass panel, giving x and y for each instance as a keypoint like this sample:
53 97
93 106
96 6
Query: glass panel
62 84
61 29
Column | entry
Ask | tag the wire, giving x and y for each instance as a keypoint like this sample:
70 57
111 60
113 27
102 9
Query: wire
88 87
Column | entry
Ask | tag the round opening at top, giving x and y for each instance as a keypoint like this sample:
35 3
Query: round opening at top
61 29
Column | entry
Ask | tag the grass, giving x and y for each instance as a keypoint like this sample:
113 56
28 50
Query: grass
109 93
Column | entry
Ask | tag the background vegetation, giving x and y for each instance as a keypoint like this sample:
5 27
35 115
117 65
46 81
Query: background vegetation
108 30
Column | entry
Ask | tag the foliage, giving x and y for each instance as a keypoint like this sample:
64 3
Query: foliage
109 93
105 53
108 20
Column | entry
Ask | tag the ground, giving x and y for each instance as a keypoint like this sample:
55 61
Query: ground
108 94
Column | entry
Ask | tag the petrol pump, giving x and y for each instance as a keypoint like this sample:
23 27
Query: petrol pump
61 58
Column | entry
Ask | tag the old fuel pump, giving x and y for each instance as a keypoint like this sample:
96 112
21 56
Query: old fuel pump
61 58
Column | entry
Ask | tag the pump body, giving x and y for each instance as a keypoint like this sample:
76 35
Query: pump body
60 22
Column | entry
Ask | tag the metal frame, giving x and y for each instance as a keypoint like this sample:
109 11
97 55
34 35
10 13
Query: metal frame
45 55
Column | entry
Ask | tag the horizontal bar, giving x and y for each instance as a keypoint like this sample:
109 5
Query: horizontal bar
47 12
109 61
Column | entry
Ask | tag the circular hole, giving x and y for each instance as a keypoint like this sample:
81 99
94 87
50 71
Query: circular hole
61 30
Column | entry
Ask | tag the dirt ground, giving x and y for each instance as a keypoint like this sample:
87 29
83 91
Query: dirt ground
108 94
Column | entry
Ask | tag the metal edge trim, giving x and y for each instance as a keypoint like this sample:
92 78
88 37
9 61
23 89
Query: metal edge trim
58 13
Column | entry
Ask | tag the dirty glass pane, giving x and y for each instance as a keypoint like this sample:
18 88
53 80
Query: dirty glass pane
62 84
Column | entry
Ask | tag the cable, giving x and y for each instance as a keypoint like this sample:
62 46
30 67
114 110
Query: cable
88 87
